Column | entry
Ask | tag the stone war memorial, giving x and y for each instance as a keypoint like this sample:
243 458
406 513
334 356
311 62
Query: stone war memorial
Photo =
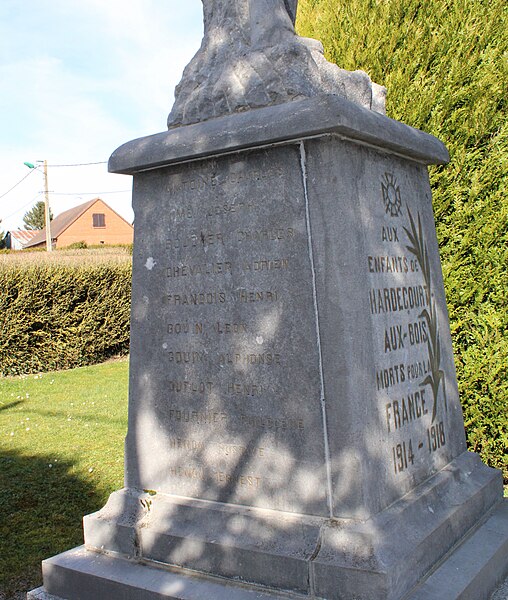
294 428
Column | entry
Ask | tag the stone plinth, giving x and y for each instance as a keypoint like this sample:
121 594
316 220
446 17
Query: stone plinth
294 422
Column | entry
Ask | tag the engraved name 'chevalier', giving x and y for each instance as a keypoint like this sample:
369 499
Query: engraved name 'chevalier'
183 270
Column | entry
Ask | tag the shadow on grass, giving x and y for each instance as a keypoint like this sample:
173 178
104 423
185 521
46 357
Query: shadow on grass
62 414
41 511
11 405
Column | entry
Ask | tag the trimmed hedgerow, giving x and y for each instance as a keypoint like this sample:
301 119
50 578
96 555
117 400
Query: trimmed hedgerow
445 65
59 316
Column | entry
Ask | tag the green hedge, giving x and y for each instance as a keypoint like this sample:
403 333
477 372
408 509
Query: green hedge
445 65
57 316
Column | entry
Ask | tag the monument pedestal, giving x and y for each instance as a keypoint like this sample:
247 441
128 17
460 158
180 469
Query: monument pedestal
294 422
470 572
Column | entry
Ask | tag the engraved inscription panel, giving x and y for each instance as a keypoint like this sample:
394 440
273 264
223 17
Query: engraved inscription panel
225 383
410 383
392 406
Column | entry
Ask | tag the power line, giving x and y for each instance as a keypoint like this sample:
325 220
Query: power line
88 193
20 181
103 162
23 207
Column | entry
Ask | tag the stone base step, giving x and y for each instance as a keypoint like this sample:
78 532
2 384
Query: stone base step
80 574
472 571
474 568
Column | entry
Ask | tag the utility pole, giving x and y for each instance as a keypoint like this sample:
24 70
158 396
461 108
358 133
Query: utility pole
47 218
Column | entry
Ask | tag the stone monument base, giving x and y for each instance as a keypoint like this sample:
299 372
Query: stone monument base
369 560
472 571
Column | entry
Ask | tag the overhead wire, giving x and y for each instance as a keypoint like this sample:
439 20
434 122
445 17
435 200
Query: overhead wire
102 162
24 206
88 193
60 193
20 181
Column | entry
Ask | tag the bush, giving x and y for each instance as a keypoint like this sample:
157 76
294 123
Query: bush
82 245
444 65
60 316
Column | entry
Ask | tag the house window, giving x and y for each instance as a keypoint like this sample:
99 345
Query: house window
99 220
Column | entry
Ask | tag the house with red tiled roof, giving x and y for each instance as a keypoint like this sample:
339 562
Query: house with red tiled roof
93 222
18 239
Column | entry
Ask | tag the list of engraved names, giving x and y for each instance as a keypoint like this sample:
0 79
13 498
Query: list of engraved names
241 380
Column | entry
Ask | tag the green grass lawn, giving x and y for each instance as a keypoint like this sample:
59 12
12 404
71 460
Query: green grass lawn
61 455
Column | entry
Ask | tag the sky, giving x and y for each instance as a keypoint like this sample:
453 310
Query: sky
78 78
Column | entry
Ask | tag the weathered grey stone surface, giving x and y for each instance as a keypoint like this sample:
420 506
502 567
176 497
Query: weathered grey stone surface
294 421
295 428
227 380
384 330
476 566
502 592
99 577
251 57
291 353
39 594
292 121
469 573
291 7
270 548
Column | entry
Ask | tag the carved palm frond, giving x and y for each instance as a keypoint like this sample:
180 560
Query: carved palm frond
418 248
